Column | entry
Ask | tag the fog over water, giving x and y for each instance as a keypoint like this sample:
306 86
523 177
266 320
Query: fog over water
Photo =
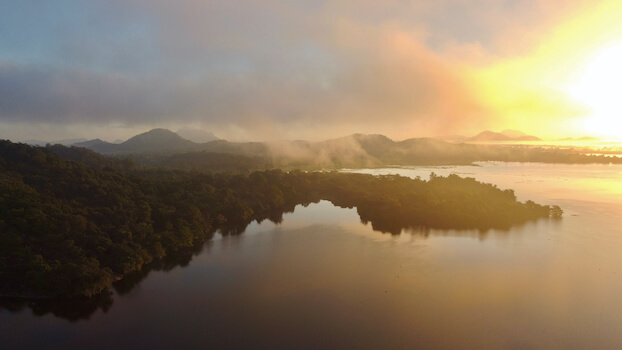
321 279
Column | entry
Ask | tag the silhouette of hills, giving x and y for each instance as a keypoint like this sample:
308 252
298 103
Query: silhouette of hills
506 135
164 141
161 147
157 140
153 141
513 133
197 135
65 142
92 143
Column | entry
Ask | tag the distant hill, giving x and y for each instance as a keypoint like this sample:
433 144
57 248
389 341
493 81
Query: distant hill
97 145
506 135
164 148
528 138
65 142
157 140
91 143
513 133
487 136
166 142
197 135
153 141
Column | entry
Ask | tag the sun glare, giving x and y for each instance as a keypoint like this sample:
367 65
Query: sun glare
599 88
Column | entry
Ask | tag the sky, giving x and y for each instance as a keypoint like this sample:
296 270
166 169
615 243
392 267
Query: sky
267 69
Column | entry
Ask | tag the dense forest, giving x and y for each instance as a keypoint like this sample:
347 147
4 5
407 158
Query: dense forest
73 221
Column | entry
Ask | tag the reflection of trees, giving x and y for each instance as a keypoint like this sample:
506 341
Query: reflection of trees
384 221
70 229
167 263
72 309
76 309
396 203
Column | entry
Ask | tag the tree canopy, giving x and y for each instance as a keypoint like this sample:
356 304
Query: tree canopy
73 221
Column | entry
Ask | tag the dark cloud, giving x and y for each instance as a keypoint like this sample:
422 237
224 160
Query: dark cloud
65 96
255 65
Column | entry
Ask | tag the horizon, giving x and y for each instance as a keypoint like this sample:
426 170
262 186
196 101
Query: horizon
446 138
271 174
271 71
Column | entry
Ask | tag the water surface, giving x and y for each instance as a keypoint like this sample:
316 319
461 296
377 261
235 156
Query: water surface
321 279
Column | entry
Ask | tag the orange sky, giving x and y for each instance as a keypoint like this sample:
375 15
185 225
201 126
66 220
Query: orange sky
553 86
261 70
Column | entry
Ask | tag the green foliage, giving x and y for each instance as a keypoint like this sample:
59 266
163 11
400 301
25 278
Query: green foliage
70 226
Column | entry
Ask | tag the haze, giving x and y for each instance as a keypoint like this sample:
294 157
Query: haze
260 70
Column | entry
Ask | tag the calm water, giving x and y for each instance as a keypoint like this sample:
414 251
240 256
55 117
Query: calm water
321 279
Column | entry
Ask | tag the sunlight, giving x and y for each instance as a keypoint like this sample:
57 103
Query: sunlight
599 89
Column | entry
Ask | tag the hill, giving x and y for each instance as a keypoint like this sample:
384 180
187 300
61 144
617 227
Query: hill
156 147
157 140
506 135
65 142
153 141
197 135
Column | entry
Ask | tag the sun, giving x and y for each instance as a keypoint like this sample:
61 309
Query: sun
599 88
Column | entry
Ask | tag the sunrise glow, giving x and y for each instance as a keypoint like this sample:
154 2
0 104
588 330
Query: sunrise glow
402 69
343 174
568 83
599 88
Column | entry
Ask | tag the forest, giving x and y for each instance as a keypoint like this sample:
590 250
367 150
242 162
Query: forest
73 221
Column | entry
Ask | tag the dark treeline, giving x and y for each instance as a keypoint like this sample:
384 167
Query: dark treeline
369 151
71 225
392 203
75 309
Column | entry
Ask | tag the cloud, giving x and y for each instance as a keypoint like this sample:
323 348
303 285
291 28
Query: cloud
288 69
66 96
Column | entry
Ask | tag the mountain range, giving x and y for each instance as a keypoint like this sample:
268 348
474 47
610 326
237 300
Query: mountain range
356 150
505 135
163 141
164 148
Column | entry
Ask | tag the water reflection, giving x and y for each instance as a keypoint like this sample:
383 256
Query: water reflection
322 279
166 264
73 310
82 308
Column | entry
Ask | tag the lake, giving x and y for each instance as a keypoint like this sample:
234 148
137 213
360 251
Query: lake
323 280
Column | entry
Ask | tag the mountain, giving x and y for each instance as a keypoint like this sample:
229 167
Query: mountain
164 148
197 135
506 135
528 138
157 140
164 141
97 145
153 141
488 136
513 133
244 148
91 143
65 142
